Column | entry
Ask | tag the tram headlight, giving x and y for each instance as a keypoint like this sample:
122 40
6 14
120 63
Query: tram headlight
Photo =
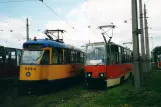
101 74
88 75
28 74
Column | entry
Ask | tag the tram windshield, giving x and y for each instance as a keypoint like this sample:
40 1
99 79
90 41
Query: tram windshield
95 55
31 57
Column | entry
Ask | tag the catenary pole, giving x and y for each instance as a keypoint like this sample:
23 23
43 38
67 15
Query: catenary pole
147 40
143 58
27 30
136 56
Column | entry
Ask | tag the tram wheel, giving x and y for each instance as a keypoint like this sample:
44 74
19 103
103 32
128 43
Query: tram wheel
122 80
87 85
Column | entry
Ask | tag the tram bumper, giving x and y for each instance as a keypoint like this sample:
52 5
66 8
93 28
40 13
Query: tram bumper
31 86
90 77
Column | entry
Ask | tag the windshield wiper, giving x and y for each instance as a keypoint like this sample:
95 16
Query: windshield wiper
37 58
98 64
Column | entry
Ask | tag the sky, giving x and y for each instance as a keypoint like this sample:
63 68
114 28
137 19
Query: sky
80 19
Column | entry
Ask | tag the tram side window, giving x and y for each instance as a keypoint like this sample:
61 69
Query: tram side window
125 52
128 56
117 54
2 53
108 54
131 56
2 59
57 56
123 55
72 56
11 56
60 56
114 54
75 57
18 57
67 54
54 56
78 57
46 57
120 55
81 57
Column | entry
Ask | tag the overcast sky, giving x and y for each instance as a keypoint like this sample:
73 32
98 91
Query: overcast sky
84 15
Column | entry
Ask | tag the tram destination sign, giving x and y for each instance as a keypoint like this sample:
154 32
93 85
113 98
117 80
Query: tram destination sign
33 46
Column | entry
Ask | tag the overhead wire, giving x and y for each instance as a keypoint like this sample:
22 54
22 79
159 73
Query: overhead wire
57 15
94 7
87 1
12 1
19 25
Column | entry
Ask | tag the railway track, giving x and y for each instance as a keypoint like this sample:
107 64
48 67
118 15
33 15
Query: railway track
10 98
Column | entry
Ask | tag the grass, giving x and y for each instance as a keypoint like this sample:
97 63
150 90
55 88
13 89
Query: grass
124 95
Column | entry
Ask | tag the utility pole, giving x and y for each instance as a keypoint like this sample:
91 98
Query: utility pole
143 58
27 30
136 56
147 41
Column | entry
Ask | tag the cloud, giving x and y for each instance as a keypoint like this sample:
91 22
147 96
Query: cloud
88 16
95 13
82 21
12 32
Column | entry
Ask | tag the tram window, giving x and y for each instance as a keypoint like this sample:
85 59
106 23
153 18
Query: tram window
123 55
108 54
75 57
128 56
119 54
78 57
131 56
114 54
72 56
46 57
81 58
60 56
67 56
18 57
11 56
55 56
1 59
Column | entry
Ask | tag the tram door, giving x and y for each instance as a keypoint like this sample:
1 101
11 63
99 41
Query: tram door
2 61
11 68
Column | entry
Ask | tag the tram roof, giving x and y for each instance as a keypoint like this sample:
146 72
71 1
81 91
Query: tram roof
50 43
103 43
100 43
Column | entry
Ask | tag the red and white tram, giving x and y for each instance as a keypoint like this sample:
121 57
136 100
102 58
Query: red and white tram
108 64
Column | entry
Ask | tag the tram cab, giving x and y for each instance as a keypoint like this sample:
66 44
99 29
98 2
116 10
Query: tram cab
95 65
109 64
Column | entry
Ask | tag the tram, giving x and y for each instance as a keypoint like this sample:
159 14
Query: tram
156 57
9 64
48 61
109 64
